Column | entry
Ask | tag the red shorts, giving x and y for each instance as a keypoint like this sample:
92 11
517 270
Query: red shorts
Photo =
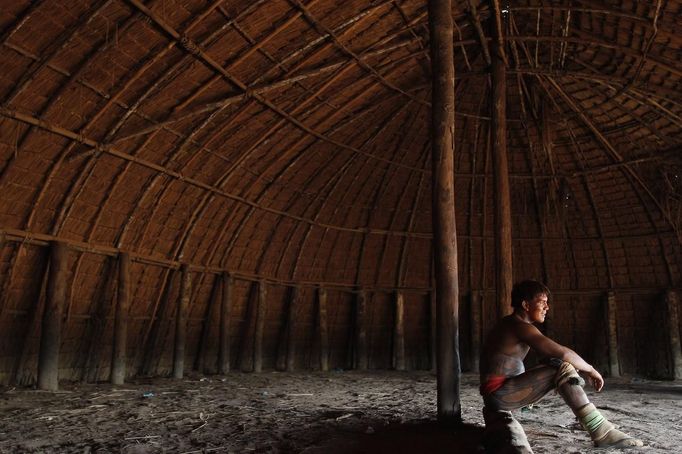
492 384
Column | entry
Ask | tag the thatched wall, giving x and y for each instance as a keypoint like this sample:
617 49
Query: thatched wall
288 143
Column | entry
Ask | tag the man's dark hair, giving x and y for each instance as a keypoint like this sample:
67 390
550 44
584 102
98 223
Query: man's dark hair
526 291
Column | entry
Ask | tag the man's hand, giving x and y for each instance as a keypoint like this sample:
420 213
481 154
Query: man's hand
594 378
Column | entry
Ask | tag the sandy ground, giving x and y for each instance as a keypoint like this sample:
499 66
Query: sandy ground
313 413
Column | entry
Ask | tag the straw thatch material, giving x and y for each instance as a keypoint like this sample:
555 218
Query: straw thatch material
286 143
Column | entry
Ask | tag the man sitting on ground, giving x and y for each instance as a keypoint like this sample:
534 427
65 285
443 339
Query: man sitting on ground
506 385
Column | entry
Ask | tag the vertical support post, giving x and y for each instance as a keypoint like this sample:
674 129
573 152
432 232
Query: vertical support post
225 306
611 313
674 333
50 338
322 328
433 344
293 330
399 332
118 361
260 327
503 233
443 200
475 330
181 322
361 358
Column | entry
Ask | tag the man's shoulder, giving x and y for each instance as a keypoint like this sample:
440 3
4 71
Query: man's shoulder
519 328
510 330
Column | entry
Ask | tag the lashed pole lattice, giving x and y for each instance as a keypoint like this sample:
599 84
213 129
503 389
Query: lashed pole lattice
443 200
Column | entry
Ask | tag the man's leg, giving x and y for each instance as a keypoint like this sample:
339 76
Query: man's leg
602 432
523 390
503 432
532 385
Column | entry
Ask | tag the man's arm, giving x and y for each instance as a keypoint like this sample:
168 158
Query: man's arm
547 347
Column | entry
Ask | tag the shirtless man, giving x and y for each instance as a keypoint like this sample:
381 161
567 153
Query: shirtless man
506 385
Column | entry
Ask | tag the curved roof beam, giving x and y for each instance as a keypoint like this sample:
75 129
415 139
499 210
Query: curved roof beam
612 152
259 89
320 27
101 148
199 54
664 64
264 88
246 192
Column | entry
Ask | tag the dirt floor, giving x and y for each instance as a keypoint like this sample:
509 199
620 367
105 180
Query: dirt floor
312 413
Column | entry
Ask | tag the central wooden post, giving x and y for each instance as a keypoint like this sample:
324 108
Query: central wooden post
443 200
503 233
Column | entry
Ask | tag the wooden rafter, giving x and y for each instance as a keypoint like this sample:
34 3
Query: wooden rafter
173 174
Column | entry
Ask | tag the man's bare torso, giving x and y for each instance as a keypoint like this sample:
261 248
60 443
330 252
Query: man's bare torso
503 352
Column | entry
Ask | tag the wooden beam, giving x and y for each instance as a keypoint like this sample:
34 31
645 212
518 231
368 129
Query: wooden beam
225 309
476 22
118 362
260 327
243 56
503 233
323 30
612 318
361 356
201 55
323 328
110 150
475 320
433 343
40 239
181 322
443 211
50 338
399 332
292 329
672 313
614 154
245 348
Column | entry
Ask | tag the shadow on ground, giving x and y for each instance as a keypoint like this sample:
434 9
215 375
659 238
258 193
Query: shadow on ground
420 437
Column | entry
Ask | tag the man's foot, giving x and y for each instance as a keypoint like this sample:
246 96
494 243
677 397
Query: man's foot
608 436
603 433
503 434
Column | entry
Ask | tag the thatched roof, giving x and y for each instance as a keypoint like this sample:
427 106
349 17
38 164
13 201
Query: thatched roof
288 141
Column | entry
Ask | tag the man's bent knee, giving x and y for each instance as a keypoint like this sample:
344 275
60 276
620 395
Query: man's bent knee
567 374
